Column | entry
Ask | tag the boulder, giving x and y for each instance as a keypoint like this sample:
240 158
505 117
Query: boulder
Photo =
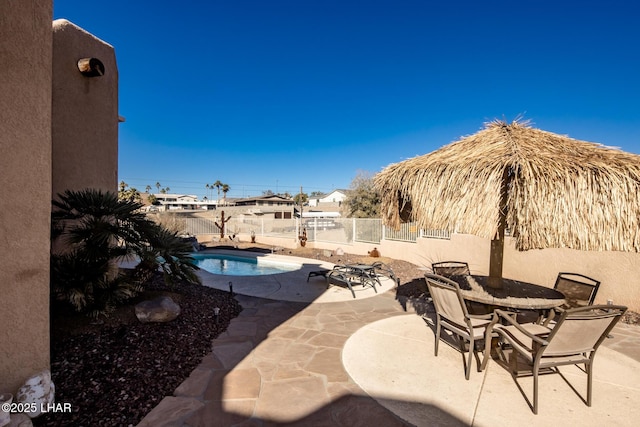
38 389
161 309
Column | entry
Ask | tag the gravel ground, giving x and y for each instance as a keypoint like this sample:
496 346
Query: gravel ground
114 371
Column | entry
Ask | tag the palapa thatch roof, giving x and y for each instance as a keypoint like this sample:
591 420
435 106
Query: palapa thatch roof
561 192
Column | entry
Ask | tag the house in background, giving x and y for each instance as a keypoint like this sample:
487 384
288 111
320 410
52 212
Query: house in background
277 206
336 196
170 202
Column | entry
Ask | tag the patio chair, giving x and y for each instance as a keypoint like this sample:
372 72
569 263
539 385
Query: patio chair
578 289
572 340
450 268
452 315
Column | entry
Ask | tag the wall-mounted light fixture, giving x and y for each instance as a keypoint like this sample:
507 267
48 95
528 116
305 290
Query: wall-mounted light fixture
91 67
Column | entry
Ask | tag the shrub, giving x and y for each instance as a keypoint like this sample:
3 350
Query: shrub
91 232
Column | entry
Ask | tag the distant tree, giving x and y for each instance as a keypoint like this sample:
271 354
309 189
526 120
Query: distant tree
317 194
147 189
158 185
128 193
225 190
301 197
362 201
153 200
217 185
267 193
163 191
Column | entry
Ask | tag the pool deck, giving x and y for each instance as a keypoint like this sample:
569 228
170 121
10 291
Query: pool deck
369 361
288 286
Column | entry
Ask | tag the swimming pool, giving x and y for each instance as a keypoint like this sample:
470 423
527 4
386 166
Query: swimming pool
242 266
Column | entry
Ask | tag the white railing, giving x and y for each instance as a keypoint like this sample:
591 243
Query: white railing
332 230
408 232
436 234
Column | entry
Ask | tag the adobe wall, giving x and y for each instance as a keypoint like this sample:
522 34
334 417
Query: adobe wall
84 112
25 188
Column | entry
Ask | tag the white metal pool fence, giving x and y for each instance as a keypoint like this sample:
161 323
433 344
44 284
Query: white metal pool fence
332 230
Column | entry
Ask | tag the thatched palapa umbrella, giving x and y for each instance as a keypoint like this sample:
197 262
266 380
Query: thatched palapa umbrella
549 190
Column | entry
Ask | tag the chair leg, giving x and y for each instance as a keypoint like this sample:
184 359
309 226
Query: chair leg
469 358
351 289
535 388
437 335
487 350
588 367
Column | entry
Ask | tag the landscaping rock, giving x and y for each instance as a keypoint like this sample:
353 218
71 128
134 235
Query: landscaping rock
161 309
38 389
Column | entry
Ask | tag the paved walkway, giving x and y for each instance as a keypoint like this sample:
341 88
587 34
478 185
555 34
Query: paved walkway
296 363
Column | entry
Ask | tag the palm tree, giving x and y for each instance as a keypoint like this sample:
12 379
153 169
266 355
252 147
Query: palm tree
147 189
170 254
207 187
94 230
225 190
158 185
218 184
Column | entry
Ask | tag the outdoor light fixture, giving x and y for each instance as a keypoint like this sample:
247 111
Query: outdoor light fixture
216 313
91 67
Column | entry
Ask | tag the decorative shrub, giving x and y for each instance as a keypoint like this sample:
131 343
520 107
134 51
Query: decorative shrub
91 232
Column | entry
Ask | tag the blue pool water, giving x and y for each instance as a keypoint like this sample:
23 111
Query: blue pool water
241 266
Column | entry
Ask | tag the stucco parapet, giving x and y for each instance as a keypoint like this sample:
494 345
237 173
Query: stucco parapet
61 25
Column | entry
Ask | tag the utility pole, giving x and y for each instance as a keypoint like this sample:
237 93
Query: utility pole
301 203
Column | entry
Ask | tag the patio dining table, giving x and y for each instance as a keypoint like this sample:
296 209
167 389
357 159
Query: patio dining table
512 294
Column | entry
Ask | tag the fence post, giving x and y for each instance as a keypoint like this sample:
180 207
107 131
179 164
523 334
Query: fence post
355 231
384 231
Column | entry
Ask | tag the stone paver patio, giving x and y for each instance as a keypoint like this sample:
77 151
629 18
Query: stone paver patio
282 363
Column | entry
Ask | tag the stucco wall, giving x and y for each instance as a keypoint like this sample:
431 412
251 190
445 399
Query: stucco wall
25 188
84 112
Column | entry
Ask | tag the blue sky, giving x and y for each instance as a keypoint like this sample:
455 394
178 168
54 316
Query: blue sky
278 94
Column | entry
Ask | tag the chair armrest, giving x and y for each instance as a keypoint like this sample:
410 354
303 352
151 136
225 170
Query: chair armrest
512 321
480 316
552 314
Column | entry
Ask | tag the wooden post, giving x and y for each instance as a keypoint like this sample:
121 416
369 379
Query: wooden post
496 256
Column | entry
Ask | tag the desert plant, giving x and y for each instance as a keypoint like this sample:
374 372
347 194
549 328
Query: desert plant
169 253
91 231
90 285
